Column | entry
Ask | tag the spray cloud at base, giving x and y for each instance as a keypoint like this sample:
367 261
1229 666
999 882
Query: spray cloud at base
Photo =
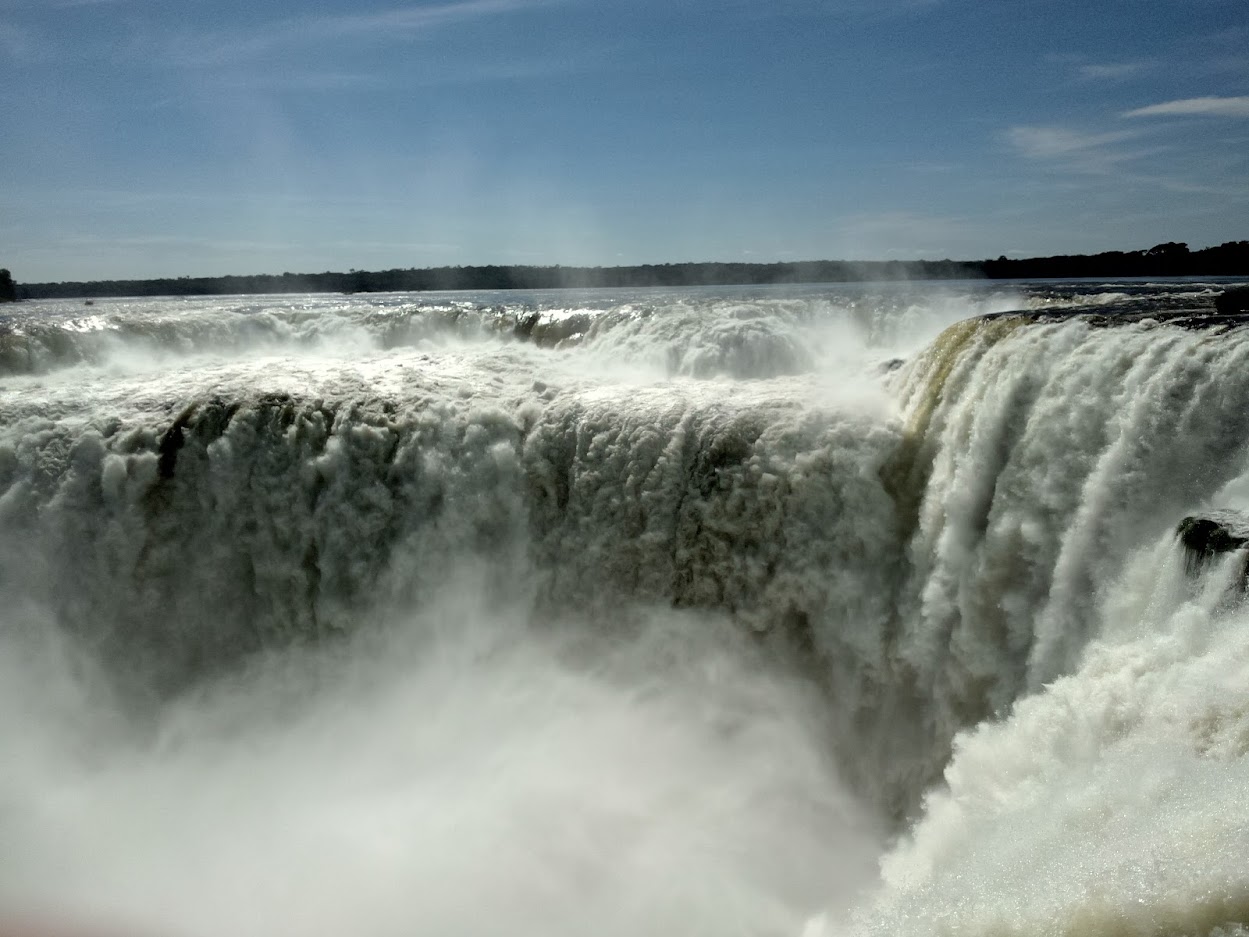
467 772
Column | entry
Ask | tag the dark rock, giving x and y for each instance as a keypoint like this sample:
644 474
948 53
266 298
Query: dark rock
1198 310
1195 320
1206 536
170 445
548 333
525 325
1232 301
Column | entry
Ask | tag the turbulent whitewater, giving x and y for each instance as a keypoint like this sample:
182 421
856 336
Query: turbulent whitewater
816 610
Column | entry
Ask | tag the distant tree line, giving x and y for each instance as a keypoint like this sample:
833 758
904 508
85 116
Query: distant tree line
492 277
1164 260
1230 259
8 289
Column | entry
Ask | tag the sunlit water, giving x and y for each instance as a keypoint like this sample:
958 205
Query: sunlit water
773 612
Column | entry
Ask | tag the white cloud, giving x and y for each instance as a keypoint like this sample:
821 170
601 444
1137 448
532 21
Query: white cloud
408 19
1052 142
1112 71
1123 156
838 8
1208 107
398 23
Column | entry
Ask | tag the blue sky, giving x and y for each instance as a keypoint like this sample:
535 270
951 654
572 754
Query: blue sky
146 138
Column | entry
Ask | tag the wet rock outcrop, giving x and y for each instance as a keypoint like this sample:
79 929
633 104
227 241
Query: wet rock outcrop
1209 535
1232 301
1194 318
1196 309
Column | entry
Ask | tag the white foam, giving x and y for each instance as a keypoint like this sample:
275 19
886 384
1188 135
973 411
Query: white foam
979 543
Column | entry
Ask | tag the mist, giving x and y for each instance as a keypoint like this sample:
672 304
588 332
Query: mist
458 770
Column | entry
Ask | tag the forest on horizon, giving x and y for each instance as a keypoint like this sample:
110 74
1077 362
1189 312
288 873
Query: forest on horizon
1171 259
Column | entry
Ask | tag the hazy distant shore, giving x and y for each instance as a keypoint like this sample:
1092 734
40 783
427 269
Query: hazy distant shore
1163 260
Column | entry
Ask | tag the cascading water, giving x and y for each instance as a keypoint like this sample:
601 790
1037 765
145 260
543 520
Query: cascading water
655 611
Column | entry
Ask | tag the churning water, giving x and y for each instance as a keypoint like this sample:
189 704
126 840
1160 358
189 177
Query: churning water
820 611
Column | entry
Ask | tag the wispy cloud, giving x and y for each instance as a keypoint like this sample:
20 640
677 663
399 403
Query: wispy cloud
53 4
485 70
397 23
1122 155
301 81
1112 71
16 43
411 19
901 234
1051 142
822 8
242 245
932 168
1201 107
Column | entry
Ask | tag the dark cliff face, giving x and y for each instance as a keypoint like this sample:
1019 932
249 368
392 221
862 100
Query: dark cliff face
8 289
